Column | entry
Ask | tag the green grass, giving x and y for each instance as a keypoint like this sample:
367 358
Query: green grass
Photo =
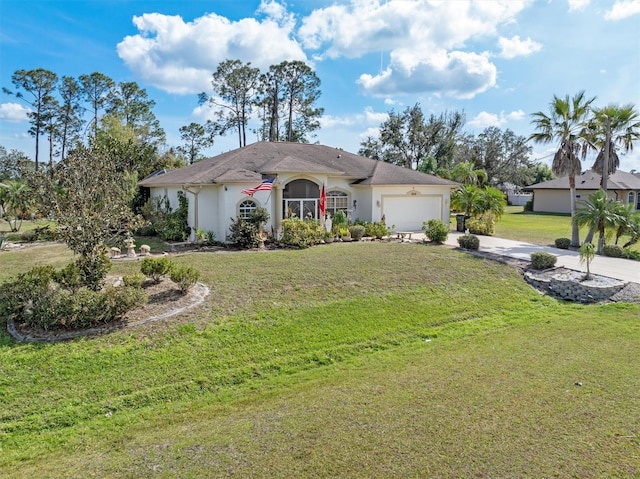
350 360
540 228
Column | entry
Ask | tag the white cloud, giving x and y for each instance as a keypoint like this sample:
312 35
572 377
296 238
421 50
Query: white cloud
622 9
179 57
485 119
366 26
428 42
576 5
515 47
14 112
516 115
366 118
457 74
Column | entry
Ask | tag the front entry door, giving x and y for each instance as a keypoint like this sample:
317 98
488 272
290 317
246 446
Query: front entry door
301 208
300 199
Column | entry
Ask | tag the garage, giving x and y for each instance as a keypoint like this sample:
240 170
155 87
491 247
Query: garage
406 213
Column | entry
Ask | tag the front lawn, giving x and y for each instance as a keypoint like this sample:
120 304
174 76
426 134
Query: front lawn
349 360
540 228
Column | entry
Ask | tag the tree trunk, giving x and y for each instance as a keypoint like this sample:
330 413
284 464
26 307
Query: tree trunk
37 145
589 238
605 165
600 236
575 231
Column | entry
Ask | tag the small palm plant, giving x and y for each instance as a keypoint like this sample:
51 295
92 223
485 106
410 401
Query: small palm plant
587 253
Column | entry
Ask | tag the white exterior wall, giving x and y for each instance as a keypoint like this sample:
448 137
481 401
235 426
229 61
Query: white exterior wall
218 204
559 201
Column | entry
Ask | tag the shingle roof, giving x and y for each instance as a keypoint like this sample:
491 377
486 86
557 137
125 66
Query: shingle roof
269 158
590 180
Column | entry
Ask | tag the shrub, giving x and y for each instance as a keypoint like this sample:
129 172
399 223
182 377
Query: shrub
18 298
94 268
210 237
170 225
185 277
69 277
485 224
34 300
259 217
378 230
243 234
631 254
563 243
29 236
156 268
470 242
134 280
46 233
436 231
339 220
357 232
528 206
299 233
116 302
612 250
542 260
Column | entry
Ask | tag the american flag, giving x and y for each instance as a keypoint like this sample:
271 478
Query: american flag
266 185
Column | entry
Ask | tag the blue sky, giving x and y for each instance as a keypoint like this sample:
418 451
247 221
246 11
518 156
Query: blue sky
499 61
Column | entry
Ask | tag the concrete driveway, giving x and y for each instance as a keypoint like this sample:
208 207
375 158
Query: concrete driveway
623 269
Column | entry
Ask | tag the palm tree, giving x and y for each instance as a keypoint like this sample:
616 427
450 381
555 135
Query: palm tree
587 253
16 199
466 198
614 126
466 173
628 222
598 212
492 200
566 125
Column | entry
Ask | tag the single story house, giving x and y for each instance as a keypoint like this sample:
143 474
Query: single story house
553 196
291 176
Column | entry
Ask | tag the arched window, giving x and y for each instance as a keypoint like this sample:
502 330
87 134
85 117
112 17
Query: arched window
631 200
336 200
245 208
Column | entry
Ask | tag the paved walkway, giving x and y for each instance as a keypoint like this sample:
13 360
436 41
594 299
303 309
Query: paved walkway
624 269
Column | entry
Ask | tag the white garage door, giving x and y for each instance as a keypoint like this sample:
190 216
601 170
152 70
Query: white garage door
408 212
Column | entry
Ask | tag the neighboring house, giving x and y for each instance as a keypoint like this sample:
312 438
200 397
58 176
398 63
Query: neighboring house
553 196
365 189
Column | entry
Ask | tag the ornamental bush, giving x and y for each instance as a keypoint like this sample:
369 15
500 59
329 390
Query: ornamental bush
628 253
542 260
185 277
134 280
470 242
485 224
377 230
243 234
36 299
69 277
563 243
612 250
156 268
301 233
436 231
357 232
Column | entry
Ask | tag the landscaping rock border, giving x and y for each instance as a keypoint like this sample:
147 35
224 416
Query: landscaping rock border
616 291
196 296
571 286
